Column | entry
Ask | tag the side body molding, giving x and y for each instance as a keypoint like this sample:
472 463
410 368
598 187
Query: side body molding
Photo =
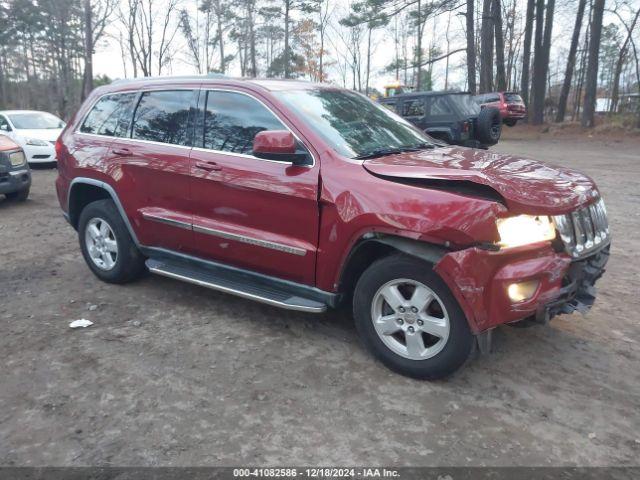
112 193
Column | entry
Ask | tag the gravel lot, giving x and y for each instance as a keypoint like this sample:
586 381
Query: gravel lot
174 374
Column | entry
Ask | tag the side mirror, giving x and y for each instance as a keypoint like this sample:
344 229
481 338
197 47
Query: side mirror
278 145
5 127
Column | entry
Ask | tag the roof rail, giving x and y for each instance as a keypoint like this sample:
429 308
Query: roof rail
169 77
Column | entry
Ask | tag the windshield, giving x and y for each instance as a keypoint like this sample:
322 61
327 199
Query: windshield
354 125
35 121
466 103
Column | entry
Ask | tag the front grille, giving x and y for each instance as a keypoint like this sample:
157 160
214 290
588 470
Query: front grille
585 230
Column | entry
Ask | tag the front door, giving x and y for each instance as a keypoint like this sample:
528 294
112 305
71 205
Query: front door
256 214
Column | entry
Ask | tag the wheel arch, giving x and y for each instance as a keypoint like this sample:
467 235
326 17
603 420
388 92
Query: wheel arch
372 247
83 191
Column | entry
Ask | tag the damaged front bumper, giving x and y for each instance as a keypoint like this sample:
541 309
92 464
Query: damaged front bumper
480 281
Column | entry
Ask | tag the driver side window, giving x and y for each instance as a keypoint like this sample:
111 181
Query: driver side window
232 120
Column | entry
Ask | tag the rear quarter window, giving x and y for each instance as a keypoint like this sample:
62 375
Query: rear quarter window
110 116
163 116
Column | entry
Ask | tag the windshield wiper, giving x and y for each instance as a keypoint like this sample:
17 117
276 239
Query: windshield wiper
380 152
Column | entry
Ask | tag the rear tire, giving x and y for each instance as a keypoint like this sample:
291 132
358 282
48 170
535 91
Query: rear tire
19 196
489 126
106 244
424 339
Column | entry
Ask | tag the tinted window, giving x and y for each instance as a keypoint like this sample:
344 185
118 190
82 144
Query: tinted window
163 117
4 124
110 116
232 120
413 108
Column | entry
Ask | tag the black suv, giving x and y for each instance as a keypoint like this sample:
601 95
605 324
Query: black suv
453 117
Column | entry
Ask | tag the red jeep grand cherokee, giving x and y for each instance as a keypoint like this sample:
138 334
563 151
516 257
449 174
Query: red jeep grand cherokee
308 196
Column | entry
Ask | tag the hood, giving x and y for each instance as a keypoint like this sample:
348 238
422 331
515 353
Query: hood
527 186
48 134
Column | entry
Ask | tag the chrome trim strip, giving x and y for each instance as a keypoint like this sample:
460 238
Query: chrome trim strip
238 293
15 173
250 240
168 221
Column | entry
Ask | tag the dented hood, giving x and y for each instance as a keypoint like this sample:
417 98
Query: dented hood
527 186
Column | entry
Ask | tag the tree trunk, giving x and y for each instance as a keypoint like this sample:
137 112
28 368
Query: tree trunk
471 47
526 53
366 84
541 62
591 82
486 47
419 48
287 5
87 84
501 79
571 62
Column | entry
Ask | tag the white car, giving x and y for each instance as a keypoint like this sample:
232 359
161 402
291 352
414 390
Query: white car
36 132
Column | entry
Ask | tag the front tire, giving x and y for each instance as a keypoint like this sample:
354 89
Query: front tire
409 320
510 122
106 244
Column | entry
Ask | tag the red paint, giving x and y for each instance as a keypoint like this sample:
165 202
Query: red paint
274 142
7 144
509 110
325 209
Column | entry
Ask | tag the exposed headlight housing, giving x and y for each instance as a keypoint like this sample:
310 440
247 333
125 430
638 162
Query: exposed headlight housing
525 230
36 142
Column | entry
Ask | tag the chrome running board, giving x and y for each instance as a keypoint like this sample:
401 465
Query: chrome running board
236 282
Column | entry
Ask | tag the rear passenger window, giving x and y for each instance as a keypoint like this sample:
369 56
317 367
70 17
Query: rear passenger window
413 108
110 116
231 120
163 117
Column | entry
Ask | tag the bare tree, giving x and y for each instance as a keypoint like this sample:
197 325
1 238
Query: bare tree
501 81
471 46
571 61
526 54
591 81
541 60
97 14
486 47
615 89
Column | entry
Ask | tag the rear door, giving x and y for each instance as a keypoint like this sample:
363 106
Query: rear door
152 170
256 214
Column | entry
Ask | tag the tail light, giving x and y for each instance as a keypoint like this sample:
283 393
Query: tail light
58 148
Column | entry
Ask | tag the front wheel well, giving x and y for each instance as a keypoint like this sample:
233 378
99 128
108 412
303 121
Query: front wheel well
367 251
81 195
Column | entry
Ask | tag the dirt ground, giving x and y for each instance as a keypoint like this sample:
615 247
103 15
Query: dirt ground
174 374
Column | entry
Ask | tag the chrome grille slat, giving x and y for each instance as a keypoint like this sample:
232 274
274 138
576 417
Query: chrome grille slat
583 230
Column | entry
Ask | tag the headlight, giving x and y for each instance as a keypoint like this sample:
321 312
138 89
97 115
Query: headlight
36 142
525 229
17 159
